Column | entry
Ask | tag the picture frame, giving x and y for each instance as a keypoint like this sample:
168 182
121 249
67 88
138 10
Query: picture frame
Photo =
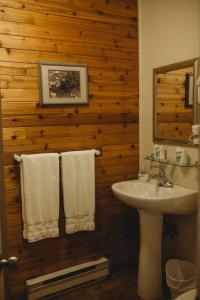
62 83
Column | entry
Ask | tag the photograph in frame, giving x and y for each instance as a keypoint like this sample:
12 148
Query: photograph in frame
63 83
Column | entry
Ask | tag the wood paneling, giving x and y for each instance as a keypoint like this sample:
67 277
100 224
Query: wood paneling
102 34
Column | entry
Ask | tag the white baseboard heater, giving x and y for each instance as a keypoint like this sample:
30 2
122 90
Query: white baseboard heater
66 279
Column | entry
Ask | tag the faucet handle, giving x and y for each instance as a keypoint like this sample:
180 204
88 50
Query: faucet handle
161 170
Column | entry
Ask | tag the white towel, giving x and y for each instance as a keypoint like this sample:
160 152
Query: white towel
78 181
40 195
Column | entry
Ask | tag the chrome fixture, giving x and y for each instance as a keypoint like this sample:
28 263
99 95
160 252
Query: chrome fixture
161 178
11 263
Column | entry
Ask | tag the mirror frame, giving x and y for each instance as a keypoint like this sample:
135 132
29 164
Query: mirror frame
195 62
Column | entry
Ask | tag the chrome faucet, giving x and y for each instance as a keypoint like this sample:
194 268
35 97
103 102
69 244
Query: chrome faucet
161 178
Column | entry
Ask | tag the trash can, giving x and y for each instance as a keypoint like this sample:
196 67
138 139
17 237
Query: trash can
181 276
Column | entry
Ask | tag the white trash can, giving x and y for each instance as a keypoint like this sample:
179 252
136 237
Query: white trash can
181 276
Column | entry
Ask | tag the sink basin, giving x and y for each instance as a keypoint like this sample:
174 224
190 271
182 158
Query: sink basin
148 196
152 202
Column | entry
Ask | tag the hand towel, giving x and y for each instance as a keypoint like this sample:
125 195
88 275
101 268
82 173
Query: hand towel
40 195
78 181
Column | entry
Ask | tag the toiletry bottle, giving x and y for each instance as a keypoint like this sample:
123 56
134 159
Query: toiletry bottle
156 152
180 156
162 153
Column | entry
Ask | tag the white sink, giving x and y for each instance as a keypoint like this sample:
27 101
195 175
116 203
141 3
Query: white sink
152 202
149 196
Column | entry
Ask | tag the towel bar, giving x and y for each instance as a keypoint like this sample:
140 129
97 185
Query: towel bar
98 152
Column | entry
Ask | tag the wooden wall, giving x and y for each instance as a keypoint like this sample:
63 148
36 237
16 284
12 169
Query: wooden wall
174 119
103 35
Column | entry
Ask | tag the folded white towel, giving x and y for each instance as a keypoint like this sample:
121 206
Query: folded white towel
40 195
78 181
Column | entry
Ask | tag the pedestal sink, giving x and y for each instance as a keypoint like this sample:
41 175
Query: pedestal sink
152 202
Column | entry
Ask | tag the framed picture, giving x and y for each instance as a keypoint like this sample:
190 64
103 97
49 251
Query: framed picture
63 83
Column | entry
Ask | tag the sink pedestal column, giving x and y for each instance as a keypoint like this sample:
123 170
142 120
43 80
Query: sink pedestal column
150 267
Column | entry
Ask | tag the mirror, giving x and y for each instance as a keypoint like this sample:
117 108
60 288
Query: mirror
175 101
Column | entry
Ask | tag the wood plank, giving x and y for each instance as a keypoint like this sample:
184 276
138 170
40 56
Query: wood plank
110 39
173 117
67 143
66 131
64 144
12 68
165 89
14 108
43 19
182 71
178 131
71 48
70 11
23 96
114 7
170 78
173 107
66 119
28 56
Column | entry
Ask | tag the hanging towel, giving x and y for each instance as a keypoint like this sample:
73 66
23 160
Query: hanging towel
40 195
78 181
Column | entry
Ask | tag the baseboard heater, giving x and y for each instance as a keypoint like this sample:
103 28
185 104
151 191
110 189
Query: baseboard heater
67 279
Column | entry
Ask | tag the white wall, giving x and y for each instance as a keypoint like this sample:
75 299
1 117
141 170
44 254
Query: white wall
169 32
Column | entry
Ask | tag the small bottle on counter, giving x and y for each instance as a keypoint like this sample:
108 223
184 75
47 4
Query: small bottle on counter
162 153
180 156
156 152
159 152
